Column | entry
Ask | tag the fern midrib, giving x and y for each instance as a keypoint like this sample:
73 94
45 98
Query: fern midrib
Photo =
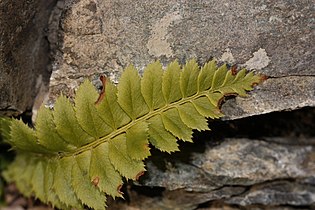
124 128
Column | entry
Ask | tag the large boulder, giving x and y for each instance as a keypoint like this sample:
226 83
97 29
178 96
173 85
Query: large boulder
24 53
272 37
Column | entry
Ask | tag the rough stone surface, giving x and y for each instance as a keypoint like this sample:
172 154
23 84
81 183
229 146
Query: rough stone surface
277 193
275 94
248 173
238 162
242 172
23 53
273 37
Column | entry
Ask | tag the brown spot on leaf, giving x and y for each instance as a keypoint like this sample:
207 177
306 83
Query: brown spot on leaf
95 181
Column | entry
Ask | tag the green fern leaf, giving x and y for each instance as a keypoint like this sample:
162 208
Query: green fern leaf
218 77
137 141
38 180
86 111
188 79
5 130
206 75
109 109
206 108
192 118
24 138
62 185
52 197
160 137
86 192
79 153
151 86
21 171
171 83
67 125
175 125
129 94
102 172
47 134
121 160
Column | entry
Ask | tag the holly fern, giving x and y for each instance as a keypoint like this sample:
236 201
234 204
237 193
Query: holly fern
79 153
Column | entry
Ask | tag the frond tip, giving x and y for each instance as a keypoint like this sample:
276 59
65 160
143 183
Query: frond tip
80 152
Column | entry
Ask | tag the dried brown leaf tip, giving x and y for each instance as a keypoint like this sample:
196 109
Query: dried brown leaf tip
234 70
139 175
119 190
261 80
102 93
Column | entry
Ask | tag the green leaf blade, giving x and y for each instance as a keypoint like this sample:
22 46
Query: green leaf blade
160 137
171 83
137 141
82 185
67 125
52 197
62 184
218 77
118 155
79 154
21 172
86 111
47 134
215 98
175 125
206 75
192 118
151 86
24 138
109 109
38 180
5 129
188 78
250 80
129 94
240 83
102 172
206 108
229 78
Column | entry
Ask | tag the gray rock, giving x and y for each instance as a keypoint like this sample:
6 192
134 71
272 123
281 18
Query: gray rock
234 162
182 199
243 162
23 53
277 193
273 37
238 171
275 94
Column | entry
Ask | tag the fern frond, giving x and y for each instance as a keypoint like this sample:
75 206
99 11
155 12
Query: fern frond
80 153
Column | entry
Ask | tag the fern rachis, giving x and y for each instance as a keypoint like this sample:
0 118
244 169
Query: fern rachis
79 153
